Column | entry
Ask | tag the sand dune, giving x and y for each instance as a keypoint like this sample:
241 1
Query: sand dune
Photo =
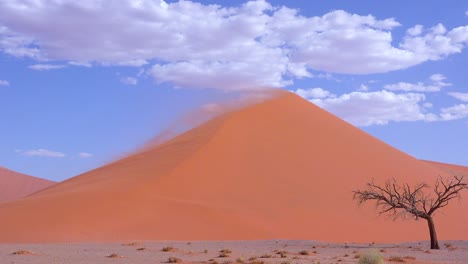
283 168
14 185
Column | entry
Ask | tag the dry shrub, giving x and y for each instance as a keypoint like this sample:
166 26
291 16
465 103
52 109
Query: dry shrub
22 252
174 260
167 249
371 257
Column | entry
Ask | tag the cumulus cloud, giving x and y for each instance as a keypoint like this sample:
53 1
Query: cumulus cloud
437 83
460 96
46 67
4 83
454 112
85 155
190 44
314 93
129 80
375 108
41 153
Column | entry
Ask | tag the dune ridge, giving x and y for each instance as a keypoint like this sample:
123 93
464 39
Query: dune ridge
282 168
14 185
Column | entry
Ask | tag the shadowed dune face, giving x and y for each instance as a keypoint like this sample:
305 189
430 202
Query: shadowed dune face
14 185
282 168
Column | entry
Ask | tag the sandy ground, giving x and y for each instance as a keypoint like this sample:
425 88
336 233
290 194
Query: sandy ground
241 252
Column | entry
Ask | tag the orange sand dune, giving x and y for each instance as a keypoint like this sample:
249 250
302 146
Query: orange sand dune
283 168
14 185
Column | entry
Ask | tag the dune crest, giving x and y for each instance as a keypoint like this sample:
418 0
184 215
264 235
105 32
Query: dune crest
14 185
281 168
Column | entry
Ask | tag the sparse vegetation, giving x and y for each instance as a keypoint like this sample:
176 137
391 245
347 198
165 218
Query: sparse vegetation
174 260
304 252
396 259
223 255
141 249
282 253
257 262
371 257
266 256
168 249
225 250
113 255
240 260
22 252
205 251
252 258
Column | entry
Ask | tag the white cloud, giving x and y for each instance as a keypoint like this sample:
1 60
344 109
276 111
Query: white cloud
46 67
460 96
4 83
195 45
454 112
41 153
377 108
85 155
314 93
466 13
129 80
363 88
415 31
436 85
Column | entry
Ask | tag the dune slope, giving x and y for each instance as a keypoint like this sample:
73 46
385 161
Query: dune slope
14 185
283 168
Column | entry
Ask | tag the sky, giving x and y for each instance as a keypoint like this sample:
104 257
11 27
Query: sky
83 83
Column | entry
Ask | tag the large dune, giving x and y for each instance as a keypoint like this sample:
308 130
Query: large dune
283 168
14 185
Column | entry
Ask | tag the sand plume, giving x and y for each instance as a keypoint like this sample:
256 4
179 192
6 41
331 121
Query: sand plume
281 168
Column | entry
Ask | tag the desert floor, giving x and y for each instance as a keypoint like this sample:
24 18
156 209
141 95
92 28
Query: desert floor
294 251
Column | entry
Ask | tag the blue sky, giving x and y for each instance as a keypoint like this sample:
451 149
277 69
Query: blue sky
84 82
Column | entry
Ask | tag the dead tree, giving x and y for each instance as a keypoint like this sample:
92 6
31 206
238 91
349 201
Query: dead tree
400 200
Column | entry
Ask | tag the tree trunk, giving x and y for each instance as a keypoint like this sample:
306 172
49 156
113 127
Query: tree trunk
432 232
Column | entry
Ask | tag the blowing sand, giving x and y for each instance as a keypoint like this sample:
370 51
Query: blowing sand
273 251
282 168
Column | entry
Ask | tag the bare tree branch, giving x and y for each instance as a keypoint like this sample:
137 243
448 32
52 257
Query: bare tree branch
399 201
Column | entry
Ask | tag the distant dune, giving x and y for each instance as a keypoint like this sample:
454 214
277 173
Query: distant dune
283 168
14 185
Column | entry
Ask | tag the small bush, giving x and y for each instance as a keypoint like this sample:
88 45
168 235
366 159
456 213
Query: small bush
282 253
141 249
226 250
371 257
167 249
174 260
396 259
22 252
223 255
265 256
240 260
113 255
304 252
